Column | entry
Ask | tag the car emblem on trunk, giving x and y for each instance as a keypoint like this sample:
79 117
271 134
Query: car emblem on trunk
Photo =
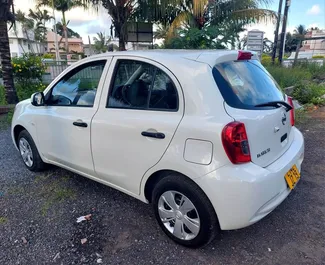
284 119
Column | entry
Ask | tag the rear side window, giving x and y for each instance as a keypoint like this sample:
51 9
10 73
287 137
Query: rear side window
139 85
245 84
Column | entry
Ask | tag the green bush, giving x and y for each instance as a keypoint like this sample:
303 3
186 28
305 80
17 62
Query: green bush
25 90
309 93
48 56
315 69
266 60
28 68
289 76
318 57
2 95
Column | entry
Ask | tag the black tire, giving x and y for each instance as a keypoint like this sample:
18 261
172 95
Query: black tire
209 225
37 163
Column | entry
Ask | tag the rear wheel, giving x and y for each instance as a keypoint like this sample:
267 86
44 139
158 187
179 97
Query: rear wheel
29 152
184 212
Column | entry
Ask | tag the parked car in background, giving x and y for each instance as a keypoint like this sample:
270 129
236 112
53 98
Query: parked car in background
206 137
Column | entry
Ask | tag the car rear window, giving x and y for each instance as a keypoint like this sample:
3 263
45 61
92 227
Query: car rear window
245 84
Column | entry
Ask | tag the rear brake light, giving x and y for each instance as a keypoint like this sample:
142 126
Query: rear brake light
292 112
235 143
244 56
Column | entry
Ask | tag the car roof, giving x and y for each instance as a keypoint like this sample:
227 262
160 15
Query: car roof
206 56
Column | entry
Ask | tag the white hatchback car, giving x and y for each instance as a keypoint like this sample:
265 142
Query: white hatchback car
207 137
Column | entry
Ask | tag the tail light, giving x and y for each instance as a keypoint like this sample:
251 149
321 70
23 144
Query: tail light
242 56
292 112
235 143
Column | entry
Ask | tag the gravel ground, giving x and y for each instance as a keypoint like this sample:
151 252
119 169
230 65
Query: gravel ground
38 215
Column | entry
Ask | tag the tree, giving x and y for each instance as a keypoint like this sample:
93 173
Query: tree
27 25
7 15
267 45
101 42
120 12
63 6
71 33
233 14
299 34
210 37
40 17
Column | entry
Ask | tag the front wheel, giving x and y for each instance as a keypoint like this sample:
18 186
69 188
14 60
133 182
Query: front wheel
184 212
29 152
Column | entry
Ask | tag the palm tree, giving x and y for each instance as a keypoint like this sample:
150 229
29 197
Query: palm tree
40 17
120 12
161 32
101 42
299 33
63 6
7 15
27 25
231 14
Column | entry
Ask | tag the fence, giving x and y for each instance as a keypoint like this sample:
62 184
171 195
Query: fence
289 62
54 68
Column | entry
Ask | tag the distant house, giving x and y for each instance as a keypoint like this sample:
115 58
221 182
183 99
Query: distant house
23 41
75 44
314 45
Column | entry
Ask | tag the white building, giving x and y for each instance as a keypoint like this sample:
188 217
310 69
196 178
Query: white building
23 42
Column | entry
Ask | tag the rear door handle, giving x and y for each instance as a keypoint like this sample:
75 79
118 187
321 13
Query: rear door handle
157 135
80 124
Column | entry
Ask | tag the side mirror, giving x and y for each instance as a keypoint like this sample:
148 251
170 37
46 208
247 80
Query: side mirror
38 99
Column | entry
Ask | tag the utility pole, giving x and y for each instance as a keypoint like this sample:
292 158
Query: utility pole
284 29
276 34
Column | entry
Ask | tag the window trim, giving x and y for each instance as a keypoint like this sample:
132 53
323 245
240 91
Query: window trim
49 92
111 86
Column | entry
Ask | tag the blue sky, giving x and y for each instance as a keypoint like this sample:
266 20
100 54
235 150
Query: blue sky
306 12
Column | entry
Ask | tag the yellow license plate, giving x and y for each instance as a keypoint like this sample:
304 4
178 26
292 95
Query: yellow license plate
292 177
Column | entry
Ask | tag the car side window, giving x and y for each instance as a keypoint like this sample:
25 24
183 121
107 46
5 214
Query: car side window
78 87
139 85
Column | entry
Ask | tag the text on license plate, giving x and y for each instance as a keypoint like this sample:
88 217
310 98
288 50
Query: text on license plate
292 177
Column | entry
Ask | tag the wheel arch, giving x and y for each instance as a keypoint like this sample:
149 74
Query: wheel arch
16 131
155 177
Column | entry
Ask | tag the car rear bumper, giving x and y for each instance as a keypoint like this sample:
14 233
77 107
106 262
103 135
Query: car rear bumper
244 194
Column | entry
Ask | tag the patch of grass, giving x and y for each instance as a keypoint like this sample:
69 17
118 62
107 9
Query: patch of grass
3 220
5 119
287 77
309 93
42 178
2 95
16 190
54 191
300 116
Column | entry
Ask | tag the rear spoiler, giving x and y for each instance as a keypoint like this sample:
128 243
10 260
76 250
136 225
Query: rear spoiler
226 56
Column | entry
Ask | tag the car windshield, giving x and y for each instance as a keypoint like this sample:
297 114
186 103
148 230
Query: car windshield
245 84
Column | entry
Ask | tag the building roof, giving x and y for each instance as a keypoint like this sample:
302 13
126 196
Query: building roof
51 38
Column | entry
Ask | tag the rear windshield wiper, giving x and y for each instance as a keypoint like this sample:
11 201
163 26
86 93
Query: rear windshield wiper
275 104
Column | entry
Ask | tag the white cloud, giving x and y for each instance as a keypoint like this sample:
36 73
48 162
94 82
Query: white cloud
314 10
85 22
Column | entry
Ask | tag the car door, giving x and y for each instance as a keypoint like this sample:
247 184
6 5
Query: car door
63 124
137 118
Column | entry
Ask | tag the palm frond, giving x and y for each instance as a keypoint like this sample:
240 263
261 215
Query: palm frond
255 15
184 19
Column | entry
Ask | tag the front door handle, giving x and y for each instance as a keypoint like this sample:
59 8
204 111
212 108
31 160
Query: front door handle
80 124
157 135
